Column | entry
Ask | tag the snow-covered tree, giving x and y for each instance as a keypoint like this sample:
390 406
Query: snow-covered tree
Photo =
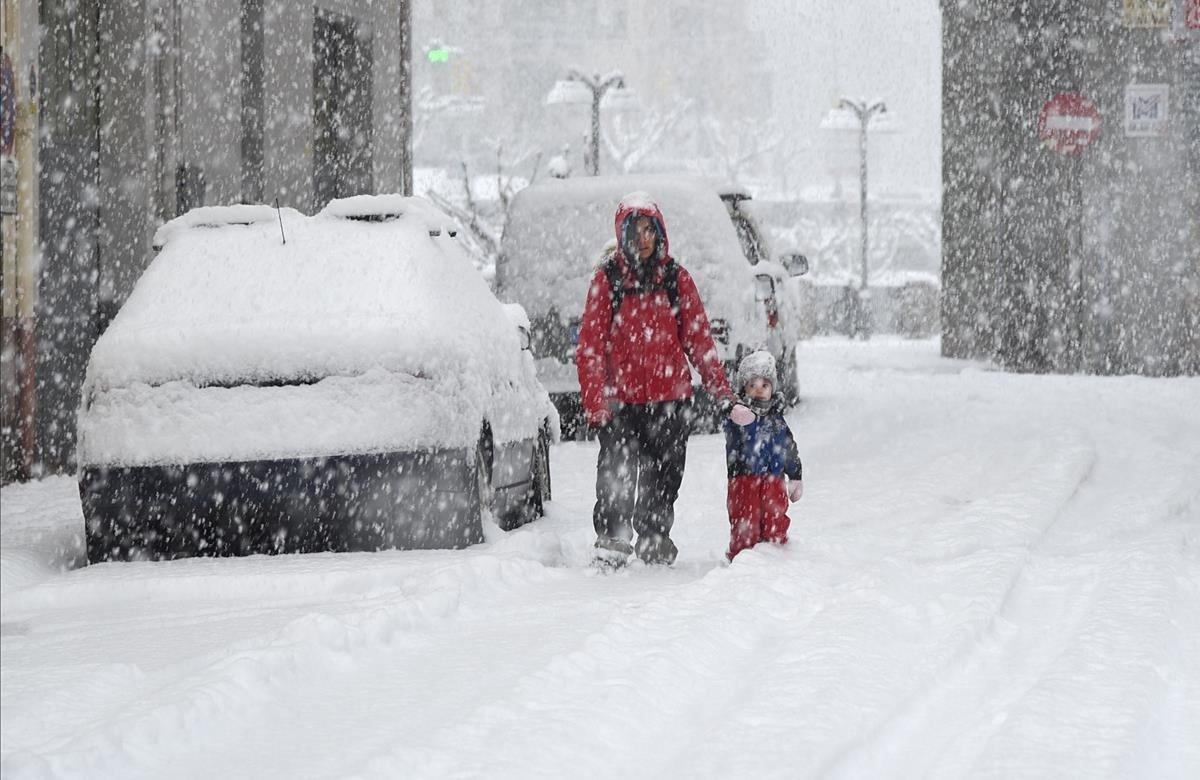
735 145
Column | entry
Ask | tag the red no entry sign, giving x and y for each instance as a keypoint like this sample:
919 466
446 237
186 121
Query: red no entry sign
1068 122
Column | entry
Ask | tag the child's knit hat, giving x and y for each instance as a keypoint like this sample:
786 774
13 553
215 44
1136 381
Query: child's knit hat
756 364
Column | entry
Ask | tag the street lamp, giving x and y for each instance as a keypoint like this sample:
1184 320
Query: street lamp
860 115
580 88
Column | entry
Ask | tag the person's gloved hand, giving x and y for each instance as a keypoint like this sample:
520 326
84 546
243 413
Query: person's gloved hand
741 414
599 417
795 490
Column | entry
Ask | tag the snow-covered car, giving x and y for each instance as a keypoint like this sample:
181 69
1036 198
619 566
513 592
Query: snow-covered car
788 299
284 383
556 237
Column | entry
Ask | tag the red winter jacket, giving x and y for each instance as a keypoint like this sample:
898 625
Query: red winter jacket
644 356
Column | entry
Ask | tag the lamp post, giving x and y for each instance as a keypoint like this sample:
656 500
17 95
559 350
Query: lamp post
860 115
581 88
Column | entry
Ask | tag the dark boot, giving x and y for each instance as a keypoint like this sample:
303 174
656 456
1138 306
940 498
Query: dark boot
656 549
611 553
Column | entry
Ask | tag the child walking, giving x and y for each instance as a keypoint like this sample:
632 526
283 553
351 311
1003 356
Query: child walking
759 454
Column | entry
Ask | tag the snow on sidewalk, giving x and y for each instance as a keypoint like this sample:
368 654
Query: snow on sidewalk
990 574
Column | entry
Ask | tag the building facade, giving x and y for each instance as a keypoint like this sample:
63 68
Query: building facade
1072 243
18 232
152 107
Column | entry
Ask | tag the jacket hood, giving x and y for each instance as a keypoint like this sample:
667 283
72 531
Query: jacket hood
640 204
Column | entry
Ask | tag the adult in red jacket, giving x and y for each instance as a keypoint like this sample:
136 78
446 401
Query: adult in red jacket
643 323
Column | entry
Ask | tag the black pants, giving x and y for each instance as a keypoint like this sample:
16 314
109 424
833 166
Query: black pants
642 453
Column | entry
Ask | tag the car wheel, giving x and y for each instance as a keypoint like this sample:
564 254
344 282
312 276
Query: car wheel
537 493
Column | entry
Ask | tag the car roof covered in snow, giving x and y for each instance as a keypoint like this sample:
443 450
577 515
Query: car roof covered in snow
385 207
558 230
221 216
234 304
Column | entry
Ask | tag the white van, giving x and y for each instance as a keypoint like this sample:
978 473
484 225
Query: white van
556 237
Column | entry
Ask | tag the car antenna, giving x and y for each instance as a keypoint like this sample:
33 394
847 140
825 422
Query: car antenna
279 214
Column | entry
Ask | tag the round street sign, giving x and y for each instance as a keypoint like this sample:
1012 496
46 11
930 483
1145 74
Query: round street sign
1068 122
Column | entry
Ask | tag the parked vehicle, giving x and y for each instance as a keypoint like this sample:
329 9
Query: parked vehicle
557 235
283 383
787 299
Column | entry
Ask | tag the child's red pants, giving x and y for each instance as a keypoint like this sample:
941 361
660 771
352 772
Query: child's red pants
757 512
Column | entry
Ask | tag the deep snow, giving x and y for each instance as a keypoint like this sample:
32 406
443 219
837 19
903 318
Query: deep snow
990 575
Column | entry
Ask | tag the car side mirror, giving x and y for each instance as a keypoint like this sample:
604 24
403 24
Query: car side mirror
764 287
795 263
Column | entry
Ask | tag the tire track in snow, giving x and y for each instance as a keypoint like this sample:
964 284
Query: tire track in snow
882 590
242 681
944 728
593 708
166 713
642 686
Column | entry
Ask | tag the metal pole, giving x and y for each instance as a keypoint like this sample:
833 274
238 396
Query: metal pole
864 113
864 117
597 93
598 89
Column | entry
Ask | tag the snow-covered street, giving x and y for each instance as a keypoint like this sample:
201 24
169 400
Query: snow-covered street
990 574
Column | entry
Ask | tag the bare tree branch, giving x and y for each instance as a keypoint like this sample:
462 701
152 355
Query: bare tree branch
483 236
735 145
629 140
484 225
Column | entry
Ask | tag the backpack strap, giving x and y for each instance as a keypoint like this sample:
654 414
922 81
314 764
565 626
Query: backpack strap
670 285
616 289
